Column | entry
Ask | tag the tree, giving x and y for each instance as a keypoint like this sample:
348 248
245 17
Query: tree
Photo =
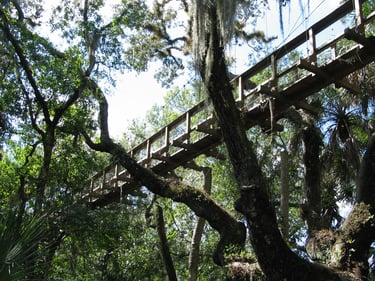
18 246
254 202
62 91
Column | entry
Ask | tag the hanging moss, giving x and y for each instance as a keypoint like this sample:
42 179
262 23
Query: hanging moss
202 22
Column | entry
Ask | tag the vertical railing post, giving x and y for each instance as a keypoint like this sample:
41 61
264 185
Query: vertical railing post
104 176
333 52
91 190
116 176
274 71
240 92
166 140
312 46
148 151
359 16
187 124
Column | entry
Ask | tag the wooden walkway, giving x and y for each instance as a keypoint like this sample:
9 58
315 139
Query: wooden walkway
295 71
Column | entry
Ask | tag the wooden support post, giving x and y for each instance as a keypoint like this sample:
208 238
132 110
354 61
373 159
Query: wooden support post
188 125
312 46
166 140
91 190
116 175
198 230
148 151
240 91
334 52
359 16
274 71
103 181
284 196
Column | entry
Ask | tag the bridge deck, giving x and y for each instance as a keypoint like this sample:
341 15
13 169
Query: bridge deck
283 77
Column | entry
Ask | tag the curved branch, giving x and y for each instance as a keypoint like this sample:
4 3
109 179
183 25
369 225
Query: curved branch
71 100
232 232
25 65
21 15
29 106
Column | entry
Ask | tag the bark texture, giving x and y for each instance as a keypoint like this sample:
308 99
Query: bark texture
198 230
312 169
164 247
284 196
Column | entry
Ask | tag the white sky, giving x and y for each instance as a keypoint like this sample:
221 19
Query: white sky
135 94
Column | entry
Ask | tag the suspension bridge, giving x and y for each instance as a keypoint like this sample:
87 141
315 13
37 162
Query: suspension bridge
298 69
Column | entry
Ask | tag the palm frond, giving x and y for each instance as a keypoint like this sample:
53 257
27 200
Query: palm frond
19 245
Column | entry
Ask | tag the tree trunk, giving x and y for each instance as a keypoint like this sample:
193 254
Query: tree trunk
164 247
254 202
48 139
311 148
198 230
284 198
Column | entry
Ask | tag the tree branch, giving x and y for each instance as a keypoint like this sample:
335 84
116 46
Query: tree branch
71 100
29 105
232 232
25 65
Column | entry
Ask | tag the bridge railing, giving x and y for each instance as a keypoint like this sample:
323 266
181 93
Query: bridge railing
275 72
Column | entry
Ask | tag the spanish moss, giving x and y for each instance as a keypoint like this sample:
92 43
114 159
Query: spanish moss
202 23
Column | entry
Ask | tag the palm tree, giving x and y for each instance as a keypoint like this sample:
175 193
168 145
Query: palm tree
19 246
344 126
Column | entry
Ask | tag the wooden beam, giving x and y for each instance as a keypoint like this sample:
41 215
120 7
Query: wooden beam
181 144
193 166
308 107
205 128
338 83
214 152
350 34
160 157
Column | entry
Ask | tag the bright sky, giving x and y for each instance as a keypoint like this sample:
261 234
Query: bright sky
135 94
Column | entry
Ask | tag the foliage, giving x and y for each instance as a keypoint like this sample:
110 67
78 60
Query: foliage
49 89
19 246
108 244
